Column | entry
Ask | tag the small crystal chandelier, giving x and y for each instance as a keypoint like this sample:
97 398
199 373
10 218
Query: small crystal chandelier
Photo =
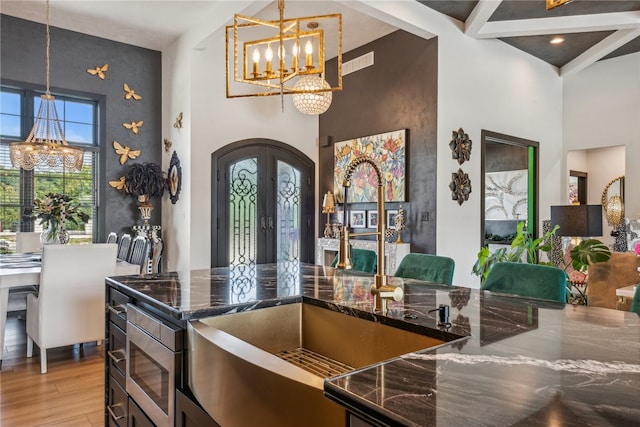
46 146
282 57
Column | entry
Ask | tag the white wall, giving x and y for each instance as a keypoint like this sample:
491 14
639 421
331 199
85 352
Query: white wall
602 109
601 165
218 121
486 84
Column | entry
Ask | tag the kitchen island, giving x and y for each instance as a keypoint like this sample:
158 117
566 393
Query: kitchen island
506 360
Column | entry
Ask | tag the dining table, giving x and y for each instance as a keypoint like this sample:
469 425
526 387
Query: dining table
23 269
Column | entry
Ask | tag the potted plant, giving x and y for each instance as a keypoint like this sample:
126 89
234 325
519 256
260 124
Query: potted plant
145 181
587 252
54 211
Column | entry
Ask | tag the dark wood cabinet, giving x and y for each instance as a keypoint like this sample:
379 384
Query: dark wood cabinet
117 404
136 417
190 414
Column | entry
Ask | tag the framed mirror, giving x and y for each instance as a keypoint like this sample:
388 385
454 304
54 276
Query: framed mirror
509 186
613 201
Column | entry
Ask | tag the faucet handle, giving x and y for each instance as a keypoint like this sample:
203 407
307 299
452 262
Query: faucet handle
388 292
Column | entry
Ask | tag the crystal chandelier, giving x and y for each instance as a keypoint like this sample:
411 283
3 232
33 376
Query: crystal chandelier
46 146
282 57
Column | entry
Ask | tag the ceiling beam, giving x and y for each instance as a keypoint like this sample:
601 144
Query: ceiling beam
479 16
560 25
600 50
410 15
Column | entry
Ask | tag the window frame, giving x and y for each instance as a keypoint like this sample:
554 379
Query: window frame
28 93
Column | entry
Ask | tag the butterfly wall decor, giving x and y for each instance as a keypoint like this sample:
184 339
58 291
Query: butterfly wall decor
134 126
119 184
130 94
167 145
125 153
178 123
99 71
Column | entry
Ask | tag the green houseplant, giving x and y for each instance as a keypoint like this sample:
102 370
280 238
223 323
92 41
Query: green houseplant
587 252
145 181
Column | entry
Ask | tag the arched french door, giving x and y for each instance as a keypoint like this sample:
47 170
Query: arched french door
262 204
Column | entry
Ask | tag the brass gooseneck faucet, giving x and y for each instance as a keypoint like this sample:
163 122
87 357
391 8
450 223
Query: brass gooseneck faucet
381 291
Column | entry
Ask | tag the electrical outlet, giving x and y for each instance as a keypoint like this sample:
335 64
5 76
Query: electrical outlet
424 216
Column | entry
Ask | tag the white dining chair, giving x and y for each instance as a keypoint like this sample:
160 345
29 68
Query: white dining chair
28 241
69 308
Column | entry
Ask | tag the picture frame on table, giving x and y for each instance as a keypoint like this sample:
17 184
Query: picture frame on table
357 219
391 219
372 219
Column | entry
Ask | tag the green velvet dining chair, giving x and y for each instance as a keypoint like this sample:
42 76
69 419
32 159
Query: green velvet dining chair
527 280
635 305
361 260
432 268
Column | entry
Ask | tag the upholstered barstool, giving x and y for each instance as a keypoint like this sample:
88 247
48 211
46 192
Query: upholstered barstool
527 280
361 260
432 268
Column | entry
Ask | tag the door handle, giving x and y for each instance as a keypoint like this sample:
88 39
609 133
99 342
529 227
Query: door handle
263 225
270 223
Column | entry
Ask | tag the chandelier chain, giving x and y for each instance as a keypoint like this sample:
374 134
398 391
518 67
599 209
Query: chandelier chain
48 63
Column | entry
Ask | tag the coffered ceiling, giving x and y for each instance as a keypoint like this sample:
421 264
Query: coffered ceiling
592 29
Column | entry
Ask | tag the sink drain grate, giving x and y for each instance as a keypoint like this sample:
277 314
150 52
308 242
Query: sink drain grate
315 363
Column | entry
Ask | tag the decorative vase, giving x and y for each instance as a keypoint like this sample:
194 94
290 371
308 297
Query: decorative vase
63 236
54 235
145 207
50 235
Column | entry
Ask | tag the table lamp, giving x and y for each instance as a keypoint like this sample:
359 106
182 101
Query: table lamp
328 207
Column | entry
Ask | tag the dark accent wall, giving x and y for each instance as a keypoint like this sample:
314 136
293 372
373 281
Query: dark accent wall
22 60
398 92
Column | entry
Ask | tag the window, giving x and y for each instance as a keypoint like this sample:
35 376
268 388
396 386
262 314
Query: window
18 188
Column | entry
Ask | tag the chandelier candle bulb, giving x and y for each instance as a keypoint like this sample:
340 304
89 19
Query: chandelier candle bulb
294 58
256 62
268 55
308 49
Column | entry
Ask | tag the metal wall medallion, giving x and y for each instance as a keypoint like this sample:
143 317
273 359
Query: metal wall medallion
460 146
174 178
460 186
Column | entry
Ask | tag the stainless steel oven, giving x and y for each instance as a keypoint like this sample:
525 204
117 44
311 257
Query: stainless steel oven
154 358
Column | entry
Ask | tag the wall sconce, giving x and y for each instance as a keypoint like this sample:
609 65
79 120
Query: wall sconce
328 207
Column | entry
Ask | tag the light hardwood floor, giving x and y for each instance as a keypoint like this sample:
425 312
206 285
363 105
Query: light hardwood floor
70 394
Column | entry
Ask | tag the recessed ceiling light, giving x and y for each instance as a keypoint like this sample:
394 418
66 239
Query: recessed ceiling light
556 40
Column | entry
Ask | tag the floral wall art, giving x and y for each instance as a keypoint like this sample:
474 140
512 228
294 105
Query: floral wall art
388 150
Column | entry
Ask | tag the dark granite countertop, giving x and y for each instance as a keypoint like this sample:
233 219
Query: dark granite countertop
508 360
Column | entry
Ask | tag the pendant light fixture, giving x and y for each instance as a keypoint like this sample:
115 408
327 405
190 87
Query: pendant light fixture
283 57
46 145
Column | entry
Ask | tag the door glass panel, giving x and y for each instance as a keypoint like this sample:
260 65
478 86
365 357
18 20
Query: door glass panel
288 213
243 190
288 227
